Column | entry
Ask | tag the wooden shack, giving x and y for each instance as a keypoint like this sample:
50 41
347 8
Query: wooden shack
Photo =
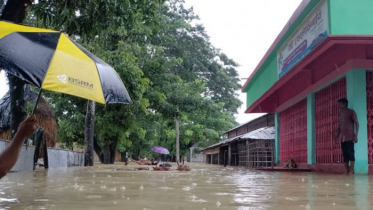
248 145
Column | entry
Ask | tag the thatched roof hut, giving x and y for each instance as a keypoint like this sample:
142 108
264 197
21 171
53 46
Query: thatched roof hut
44 113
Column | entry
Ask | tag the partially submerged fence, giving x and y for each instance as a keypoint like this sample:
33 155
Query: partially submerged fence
57 158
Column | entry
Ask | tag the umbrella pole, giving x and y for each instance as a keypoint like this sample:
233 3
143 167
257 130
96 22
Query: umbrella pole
37 101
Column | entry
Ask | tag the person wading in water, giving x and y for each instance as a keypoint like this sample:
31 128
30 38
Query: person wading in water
347 131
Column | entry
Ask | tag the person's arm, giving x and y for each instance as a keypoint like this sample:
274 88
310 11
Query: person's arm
356 122
9 156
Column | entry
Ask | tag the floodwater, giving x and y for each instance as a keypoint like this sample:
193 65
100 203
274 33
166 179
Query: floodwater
205 187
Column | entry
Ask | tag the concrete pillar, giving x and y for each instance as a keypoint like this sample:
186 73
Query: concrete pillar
357 100
311 130
229 154
219 158
211 158
277 137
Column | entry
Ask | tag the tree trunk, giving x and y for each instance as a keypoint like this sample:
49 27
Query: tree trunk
106 153
17 104
98 150
177 141
112 153
89 132
15 11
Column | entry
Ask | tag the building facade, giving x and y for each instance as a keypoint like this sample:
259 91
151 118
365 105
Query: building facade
324 53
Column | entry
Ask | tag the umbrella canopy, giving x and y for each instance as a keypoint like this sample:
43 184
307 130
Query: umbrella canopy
160 150
50 60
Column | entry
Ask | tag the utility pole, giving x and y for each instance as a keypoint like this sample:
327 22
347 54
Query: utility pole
177 141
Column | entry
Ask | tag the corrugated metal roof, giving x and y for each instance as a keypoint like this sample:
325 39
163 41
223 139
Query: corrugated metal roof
261 133
248 122
222 142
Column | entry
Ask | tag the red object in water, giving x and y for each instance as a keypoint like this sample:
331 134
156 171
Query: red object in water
293 133
326 122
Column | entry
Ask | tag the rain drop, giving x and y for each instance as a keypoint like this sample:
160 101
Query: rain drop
303 180
218 204
114 202
194 184
333 204
347 184
103 187
308 207
128 198
123 188
109 176
141 187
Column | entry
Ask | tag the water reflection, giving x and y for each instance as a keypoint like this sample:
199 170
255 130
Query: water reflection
205 187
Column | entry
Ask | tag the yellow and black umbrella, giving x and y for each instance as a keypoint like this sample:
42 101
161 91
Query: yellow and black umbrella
50 60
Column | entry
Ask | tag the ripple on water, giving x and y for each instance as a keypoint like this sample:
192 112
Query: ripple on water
93 196
166 188
41 200
221 193
292 199
10 200
199 200
186 188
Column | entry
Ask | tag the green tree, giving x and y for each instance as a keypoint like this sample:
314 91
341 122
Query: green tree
167 64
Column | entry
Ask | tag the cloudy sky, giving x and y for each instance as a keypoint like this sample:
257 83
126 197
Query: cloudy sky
242 29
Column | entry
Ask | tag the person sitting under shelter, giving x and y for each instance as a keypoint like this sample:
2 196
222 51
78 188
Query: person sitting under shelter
9 156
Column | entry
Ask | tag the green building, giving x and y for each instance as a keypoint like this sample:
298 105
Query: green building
324 53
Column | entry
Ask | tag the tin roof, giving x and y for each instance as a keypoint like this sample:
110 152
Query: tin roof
248 122
261 133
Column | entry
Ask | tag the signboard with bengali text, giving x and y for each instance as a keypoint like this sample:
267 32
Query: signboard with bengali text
311 32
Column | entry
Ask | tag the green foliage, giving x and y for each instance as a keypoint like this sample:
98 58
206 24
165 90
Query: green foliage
167 64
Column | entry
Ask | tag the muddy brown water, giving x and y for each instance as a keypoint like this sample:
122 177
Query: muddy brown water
205 187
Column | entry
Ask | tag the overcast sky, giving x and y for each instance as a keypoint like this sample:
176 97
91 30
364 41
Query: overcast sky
242 29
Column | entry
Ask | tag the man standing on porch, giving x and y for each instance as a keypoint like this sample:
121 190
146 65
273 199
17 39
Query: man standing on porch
348 128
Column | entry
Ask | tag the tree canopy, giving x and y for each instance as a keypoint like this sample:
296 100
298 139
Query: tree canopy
167 64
